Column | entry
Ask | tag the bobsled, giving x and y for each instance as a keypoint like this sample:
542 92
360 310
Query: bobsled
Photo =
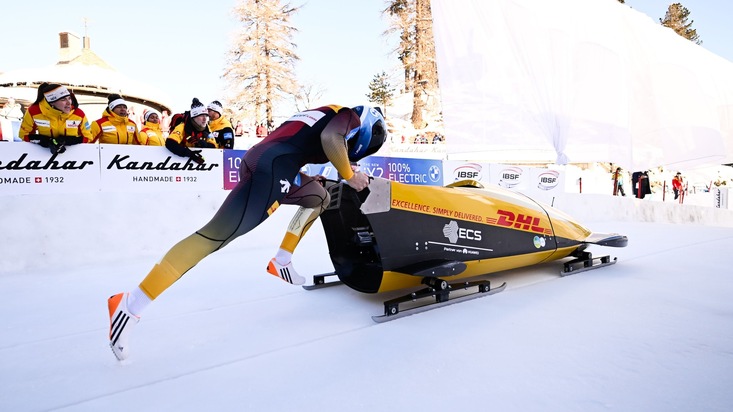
393 236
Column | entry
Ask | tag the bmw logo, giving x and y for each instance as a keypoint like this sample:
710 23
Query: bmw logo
434 173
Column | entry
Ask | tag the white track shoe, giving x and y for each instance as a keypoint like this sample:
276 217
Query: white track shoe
121 324
286 272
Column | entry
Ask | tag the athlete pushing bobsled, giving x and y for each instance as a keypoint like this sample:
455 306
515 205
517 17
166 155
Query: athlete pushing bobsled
269 176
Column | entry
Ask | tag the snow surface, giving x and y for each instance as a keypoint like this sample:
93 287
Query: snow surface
652 333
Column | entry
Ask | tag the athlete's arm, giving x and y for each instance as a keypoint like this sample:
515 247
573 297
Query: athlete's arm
334 145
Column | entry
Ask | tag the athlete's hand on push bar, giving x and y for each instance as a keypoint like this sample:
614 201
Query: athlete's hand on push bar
359 181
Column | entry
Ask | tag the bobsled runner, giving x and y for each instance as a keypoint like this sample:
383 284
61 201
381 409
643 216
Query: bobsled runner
393 236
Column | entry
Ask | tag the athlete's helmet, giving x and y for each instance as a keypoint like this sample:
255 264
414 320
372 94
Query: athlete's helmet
369 137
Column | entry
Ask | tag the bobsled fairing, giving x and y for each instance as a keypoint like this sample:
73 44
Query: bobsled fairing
392 235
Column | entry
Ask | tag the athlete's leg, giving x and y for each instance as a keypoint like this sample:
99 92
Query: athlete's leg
313 200
248 205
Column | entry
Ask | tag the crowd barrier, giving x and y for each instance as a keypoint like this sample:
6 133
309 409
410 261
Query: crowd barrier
27 168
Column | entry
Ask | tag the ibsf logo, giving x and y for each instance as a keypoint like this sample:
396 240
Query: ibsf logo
454 232
548 180
510 177
471 171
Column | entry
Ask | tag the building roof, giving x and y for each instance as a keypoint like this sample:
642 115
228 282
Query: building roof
87 75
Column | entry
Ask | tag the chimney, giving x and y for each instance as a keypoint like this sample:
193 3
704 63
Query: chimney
69 47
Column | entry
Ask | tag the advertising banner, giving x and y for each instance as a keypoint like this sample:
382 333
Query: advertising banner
456 170
516 178
28 168
545 184
404 170
232 162
155 168
720 198
539 183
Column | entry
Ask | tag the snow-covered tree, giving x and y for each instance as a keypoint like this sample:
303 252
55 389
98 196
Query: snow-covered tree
260 64
676 19
413 20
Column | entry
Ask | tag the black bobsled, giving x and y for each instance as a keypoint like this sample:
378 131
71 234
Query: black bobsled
395 236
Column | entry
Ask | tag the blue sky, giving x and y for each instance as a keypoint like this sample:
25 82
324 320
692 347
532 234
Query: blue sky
340 42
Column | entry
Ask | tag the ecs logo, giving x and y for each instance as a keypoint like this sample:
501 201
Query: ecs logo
453 232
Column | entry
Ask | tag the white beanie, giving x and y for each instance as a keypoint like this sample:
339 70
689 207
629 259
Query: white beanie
56 94
148 112
115 100
216 106
198 108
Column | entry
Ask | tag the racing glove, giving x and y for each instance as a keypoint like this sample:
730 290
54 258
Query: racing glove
195 155
39 139
57 145
204 144
72 140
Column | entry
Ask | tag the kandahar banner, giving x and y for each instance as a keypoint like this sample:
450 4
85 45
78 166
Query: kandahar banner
28 168
146 168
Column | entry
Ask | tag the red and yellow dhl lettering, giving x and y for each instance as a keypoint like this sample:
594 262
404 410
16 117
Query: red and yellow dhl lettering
521 221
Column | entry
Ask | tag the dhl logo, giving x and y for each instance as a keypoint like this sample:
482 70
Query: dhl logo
520 221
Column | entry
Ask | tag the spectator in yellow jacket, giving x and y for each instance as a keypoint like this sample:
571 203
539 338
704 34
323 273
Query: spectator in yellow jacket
55 120
114 126
221 128
192 132
151 135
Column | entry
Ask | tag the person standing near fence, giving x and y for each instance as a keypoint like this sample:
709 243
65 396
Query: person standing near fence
54 120
151 135
115 127
220 127
618 178
677 184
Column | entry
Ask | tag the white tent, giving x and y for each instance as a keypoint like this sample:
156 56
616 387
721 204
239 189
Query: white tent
578 81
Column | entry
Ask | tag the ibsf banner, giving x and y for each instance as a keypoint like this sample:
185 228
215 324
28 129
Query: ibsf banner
28 168
536 182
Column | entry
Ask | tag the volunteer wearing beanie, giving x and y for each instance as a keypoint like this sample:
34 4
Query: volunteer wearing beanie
114 126
151 135
192 132
221 128
55 120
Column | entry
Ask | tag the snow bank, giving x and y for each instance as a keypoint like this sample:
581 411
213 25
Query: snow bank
116 227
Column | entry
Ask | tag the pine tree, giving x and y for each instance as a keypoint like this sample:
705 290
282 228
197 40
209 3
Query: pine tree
381 92
260 64
676 19
413 19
